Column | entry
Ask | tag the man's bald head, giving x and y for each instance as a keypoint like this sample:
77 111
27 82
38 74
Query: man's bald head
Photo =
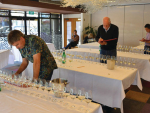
106 22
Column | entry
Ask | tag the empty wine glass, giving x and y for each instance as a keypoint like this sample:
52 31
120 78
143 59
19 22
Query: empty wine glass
72 95
42 83
101 58
37 83
88 97
97 57
81 95
131 50
66 94
108 57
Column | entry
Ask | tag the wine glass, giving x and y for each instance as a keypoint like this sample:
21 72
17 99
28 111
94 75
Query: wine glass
42 83
125 62
37 83
66 94
108 57
120 61
129 62
104 58
81 95
86 56
131 49
97 58
72 96
122 48
70 59
88 97
133 63
101 58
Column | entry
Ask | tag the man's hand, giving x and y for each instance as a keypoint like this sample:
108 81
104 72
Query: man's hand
102 42
13 76
143 40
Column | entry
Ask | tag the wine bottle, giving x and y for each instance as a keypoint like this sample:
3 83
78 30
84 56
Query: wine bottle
63 57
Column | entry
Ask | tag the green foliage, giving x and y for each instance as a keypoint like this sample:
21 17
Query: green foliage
89 29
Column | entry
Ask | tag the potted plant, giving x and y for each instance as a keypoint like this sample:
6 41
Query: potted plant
89 30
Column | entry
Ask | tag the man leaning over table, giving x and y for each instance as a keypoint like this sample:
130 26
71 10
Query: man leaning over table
110 32
147 39
35 50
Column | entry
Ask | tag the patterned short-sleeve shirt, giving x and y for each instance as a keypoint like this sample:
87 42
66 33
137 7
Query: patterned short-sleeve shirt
34 45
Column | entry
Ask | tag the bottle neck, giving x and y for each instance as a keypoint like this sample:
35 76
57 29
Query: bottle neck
63 52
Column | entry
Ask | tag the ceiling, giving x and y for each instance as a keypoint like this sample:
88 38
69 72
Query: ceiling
27 5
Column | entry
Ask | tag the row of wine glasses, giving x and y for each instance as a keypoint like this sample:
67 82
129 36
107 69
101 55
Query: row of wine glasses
133 50
39 83
123 48
79 94
48 86
127 62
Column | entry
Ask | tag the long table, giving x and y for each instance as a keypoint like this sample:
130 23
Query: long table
6 58
142 60
93 45
107 86
21 102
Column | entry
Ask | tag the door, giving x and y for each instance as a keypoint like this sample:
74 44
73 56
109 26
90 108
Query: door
70 24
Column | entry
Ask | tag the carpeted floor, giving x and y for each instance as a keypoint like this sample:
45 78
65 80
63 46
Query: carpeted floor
136 101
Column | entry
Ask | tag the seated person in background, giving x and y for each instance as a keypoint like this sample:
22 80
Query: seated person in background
90 35
75 41
147 39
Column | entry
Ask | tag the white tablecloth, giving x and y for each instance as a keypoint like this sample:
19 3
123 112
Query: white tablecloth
6 58
16 102
139 47
18 56
142 60
94 45
107 86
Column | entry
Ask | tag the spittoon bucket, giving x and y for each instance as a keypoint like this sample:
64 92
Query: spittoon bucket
110 64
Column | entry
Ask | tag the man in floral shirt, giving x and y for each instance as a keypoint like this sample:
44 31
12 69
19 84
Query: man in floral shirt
35 50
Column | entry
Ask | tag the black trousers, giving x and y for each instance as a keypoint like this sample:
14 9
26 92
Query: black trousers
85 40
147 49
71 44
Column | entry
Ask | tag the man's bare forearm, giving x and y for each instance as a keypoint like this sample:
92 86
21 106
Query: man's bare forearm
36 65
22 67
36 70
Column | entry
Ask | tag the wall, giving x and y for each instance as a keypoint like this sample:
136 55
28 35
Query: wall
129 18
85 21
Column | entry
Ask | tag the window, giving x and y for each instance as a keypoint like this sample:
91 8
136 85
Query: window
17 13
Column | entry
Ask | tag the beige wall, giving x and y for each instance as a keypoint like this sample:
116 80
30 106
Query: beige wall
130 19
